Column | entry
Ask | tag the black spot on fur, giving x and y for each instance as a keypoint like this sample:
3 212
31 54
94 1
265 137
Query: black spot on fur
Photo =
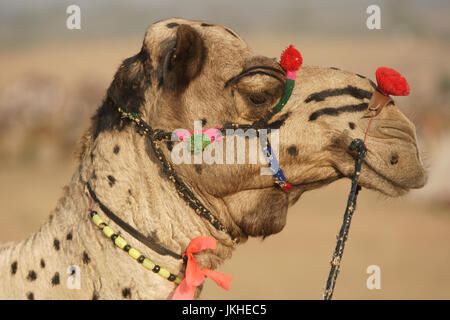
351 125
127 90
14 267
56 244
337 111
198 168
42 263
154 235
280 122
349 90
394 159
129 191
30 296
361 76
69 236
204 122
86 258
374 85
172 25
231 32
334 68
293 151
31 275
92 155
112 180
55 279
126 293
207 25
116 149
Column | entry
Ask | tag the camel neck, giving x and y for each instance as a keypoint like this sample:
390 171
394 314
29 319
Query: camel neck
127 180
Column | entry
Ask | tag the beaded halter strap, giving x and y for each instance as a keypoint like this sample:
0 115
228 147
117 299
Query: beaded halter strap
149 242
291 60
194 275
389 82
121 243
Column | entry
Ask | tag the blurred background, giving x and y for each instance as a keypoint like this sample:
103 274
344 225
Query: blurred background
52 79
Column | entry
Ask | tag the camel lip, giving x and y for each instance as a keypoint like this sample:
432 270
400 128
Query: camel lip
394 189
400 189
416 183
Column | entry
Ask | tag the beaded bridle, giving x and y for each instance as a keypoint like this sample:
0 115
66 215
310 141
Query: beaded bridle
157 135
290 61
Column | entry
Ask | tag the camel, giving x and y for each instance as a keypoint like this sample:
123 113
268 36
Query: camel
187 71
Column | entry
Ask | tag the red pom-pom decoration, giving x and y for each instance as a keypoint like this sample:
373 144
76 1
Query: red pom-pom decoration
291 59
391 82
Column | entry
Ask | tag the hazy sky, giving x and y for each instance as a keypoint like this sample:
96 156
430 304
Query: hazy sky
33 21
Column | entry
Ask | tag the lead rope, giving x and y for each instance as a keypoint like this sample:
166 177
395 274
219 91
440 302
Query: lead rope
390 82
360 147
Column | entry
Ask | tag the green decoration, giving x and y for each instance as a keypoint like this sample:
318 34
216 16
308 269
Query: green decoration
199 142
286 95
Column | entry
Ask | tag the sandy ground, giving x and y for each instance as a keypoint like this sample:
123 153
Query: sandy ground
408 241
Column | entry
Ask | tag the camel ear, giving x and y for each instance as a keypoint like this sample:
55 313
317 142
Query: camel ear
184 62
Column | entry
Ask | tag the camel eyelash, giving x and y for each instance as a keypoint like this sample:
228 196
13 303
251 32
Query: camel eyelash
250 72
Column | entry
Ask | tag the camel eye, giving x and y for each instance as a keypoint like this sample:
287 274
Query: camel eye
257 99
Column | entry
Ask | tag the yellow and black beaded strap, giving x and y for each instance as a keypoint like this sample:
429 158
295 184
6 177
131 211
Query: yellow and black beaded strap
132 252
146 240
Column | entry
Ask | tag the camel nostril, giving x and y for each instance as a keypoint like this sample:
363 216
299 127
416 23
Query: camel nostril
351 125
394 159
293 151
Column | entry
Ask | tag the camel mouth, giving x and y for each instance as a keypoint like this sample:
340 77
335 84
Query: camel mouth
388 186
373 179
378 174
383 168
394 171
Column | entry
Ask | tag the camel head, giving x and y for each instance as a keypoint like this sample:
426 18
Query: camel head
192 71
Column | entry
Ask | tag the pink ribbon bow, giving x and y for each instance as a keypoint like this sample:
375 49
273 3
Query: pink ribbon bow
194 275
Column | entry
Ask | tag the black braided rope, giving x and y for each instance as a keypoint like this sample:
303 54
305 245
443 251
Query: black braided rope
156 135
183 191
146 240
356 145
